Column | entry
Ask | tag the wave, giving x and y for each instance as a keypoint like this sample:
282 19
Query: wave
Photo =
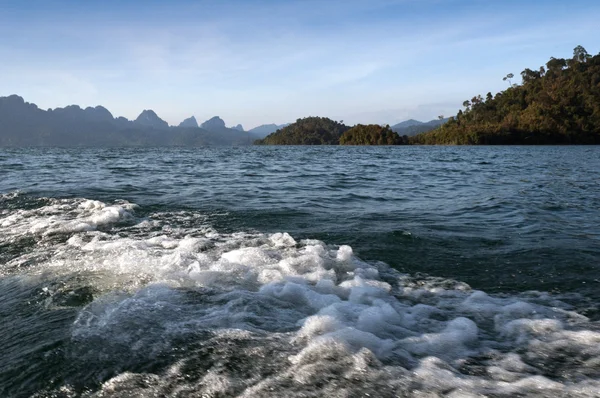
173 307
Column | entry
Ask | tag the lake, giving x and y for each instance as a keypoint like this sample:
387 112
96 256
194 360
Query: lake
300 271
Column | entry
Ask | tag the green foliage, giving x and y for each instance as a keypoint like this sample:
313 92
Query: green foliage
307 131
559 104
372 134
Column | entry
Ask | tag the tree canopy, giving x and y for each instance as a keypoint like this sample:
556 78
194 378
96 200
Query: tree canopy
372 134
558 103
307 131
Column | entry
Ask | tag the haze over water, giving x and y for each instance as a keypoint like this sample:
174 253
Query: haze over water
300 271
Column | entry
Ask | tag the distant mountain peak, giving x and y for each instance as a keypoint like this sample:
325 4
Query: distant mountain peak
71 112
14 98
98 113
265 129
189 122
149 118
16 103
413 127
238 127
408 123
214 123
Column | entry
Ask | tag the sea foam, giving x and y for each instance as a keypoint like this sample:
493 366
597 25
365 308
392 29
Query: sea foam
276 316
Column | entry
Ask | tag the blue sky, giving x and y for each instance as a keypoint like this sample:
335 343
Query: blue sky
273 61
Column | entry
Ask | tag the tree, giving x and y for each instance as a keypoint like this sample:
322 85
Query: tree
528 75
580 54
508 77
556 64
476 100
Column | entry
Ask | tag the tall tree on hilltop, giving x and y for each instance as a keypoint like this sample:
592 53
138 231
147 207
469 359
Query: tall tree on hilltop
580 54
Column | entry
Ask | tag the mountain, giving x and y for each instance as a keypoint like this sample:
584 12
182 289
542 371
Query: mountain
213 124
406 123
558 103
72 112
149 118
266 129
307 131
99 114
413 127
217 125
24 124
189 122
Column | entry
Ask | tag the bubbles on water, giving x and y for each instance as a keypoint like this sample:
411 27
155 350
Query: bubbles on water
180 309
63 216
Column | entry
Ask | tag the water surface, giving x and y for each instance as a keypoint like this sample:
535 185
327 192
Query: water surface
309 271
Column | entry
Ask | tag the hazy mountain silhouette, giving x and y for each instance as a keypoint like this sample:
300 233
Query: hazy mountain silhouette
99 114
413 127
238 127
407 123
24 124
214 124
149 118
266 129
189 122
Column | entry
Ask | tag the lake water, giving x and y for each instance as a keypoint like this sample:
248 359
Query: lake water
300 271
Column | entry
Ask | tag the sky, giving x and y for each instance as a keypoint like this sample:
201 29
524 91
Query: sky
274 61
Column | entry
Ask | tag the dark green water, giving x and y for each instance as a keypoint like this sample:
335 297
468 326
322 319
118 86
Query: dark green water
473 270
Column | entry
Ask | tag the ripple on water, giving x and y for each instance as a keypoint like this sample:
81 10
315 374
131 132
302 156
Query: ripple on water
431 273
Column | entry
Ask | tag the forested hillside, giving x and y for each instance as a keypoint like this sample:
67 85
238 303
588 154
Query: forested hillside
307 131
558 103
371 134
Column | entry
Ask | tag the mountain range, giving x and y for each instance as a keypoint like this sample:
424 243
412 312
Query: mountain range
24 124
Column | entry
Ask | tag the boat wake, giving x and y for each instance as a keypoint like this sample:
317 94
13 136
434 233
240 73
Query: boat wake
165 305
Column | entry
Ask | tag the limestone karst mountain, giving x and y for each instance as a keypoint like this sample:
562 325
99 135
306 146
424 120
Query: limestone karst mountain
24 124
149 118
189 122
213 124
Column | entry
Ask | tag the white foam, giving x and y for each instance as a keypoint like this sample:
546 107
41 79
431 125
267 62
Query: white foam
330 309
65 216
